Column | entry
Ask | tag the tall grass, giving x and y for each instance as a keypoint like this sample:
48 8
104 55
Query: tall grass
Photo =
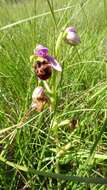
46 146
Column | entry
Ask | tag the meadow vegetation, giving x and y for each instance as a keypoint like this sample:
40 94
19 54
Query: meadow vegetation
72 139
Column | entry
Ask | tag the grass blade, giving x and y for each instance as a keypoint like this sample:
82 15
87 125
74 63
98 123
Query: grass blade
52 12
98 138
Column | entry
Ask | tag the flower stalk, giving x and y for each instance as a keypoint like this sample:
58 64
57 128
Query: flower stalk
44 65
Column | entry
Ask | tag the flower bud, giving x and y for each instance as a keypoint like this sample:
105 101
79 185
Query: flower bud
39 99
71 36
38 93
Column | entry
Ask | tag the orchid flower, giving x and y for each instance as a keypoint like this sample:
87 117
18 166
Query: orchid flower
42 52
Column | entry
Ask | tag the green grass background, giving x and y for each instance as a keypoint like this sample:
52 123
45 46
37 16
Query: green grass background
82 95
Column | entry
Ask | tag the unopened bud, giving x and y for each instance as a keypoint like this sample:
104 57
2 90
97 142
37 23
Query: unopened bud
71 36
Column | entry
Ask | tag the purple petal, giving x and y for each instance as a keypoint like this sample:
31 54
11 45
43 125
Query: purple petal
71 29
54 63
41 51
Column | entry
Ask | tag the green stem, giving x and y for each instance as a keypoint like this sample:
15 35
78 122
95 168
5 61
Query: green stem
105 11
16 166
24 118
106 80
58 43
47 87
54 82
79 57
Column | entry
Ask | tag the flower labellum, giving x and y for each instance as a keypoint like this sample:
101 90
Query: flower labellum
43 69
71 36
39 99
44 63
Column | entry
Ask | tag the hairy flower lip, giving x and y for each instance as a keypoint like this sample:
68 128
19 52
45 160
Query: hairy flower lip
43 69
